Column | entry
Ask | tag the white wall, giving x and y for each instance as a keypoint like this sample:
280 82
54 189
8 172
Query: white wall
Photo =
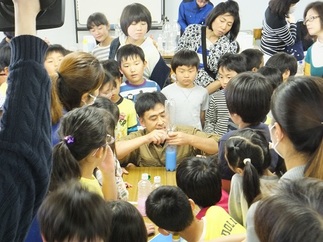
251 14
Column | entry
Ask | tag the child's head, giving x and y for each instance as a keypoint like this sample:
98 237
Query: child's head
293 213
98 26
112 81
248 98
254 59
150 108
286 63
200 179
72 213
84 132
185 65
80 75
135 16
107 104
5 55
169 208
229 66
127 222
247 153
132 63
273 75
53 57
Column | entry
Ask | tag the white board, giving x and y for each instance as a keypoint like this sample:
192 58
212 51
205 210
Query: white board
113 9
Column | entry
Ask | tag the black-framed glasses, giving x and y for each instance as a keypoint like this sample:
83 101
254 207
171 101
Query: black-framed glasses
310 19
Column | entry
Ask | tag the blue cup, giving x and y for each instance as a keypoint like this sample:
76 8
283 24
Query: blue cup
171 158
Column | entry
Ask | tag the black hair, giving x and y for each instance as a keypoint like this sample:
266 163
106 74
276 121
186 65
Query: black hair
253 57
135 12
112 67
200 179
147 101
5 55
248 149
230 7
56 48
185 58
96 19
130 50
273 75
127 223
168 207
81 131
294 213
283 62
72 213
317 7
232 62
296 106
248 94
107 104
280 7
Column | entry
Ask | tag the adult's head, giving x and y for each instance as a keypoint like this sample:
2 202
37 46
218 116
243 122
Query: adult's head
224 19
150 108
200 179
281 8
134 13
297 124
170 209
293 214
248 98
84 132
127 222
202 3
313 18
72 213
80 75
247 153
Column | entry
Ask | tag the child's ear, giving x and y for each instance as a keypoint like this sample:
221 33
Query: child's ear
192 203
163 231
121 71
286 74
6 70
278 132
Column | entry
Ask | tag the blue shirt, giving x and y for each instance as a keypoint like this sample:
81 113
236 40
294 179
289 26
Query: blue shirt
190 13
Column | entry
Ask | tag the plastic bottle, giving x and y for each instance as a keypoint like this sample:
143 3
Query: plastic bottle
157 182
300 67
160 43
144 188
171 151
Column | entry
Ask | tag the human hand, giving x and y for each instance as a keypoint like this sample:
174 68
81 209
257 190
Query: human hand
157 136
107 166
150 228
178 138
124 171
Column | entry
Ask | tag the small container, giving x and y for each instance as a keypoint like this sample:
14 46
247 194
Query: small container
157 182
176 237
171 158
144 188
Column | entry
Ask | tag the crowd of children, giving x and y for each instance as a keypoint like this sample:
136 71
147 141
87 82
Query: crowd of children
244 138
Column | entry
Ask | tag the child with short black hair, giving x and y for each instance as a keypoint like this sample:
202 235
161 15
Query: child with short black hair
127 118
200 179
53 57
172 211
132 63
191 101
248 98
272 74
73 213
248 156
217 116
99 27
286 63
254 59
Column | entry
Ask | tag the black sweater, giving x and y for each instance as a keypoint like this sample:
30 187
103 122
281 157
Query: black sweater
25 138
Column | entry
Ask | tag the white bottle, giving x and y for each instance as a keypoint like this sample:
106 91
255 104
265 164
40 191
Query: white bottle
157 182
144 188
160 43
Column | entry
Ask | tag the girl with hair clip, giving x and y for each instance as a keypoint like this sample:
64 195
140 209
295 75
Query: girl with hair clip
135 22
127 223
296 132
247 154
87 142
212 41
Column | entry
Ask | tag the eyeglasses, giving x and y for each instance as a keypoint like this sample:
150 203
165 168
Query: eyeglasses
109 141
93 97
310 19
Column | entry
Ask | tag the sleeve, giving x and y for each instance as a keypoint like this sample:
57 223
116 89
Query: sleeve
251 232
235 199
114 46
181 17
160 73
205 104
211 116
132 118
191 38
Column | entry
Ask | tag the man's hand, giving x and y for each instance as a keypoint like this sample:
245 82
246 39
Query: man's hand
178 138
157 136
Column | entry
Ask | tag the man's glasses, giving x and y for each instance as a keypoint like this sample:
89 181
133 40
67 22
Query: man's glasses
310 19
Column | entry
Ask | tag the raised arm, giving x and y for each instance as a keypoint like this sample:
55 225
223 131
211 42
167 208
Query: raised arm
25 157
